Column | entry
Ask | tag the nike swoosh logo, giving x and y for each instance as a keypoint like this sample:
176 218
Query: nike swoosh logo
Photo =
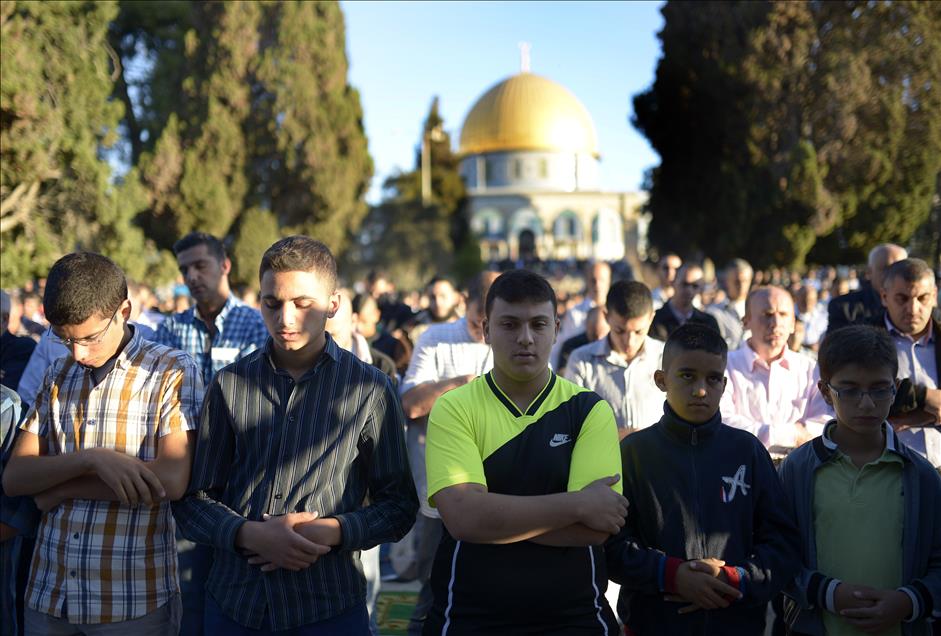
553 443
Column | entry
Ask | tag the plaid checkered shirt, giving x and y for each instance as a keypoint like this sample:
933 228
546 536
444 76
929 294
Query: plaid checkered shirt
239 331
101 561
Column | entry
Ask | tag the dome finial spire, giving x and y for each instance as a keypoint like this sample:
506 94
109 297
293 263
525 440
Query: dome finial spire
524 56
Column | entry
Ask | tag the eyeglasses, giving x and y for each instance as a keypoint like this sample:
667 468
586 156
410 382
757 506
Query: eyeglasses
697 284
855 395
87 341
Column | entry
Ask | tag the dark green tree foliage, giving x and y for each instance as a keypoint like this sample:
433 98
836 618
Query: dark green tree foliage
413 240
55 120
268 121
793 129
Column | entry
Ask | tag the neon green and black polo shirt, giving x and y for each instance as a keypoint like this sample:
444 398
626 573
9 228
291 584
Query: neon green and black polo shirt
564 440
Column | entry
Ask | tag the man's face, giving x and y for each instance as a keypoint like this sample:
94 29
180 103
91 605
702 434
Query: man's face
770 316
101 334
443 301
475 320
367 318
737 284
807 299
667 268
910 304
599 281
205 276
627 334
694 382
689 283
521 336
296 306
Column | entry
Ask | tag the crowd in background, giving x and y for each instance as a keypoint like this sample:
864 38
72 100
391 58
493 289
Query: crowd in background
612 322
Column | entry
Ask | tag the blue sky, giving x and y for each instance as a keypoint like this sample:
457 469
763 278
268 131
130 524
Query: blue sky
402 54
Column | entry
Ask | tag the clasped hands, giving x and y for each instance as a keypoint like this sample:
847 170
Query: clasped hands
702 584
870 610
294 541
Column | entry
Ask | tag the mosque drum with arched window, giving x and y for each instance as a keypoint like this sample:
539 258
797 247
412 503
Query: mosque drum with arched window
530 160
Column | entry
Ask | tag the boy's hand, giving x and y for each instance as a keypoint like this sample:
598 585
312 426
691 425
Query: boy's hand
701 589
887 609
710 566
273 543
127 476
47 500
601 508
845 598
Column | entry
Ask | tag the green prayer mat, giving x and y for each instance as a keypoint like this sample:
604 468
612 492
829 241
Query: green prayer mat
393 609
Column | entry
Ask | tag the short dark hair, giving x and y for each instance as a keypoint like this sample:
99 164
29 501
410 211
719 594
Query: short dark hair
862 345
361 300
520 285
213 245
81 285
694 337
630 299
300 254
440 279
910 270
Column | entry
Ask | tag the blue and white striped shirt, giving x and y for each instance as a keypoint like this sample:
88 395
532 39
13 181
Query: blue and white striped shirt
270 445
240 330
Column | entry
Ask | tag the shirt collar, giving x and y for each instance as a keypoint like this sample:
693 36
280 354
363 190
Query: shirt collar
681 317
602 349
230 303
130 350
753 359
331 351
891 439
924 341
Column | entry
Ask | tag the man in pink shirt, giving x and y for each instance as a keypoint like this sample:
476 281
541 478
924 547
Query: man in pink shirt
772 391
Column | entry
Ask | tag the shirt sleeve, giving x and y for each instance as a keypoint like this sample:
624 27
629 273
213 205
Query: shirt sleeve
42 357
735 412
451 453
597 453
180 398
202 517
393 502
422 367
575 371
164 335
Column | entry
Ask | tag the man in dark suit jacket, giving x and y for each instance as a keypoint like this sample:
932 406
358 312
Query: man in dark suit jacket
679 310
910 295
864 306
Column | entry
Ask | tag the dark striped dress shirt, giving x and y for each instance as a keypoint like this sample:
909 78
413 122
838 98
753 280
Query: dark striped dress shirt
269 445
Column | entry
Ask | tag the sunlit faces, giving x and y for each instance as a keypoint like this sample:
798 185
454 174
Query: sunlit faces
599 281
860 396
666 270
475 320
443 300
770 316
296 306
694 382
627 335
204 275
737 283
96 340
910 304
521 336
689 284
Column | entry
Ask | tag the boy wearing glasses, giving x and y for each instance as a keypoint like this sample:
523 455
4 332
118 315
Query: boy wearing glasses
104 449
865 503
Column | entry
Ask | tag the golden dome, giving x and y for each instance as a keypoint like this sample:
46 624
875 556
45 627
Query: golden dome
528 112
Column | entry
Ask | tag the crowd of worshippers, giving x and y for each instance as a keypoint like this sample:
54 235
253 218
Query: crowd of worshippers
674 450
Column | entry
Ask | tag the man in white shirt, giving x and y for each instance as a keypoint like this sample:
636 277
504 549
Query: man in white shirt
772 391
620 367
597 283
446 356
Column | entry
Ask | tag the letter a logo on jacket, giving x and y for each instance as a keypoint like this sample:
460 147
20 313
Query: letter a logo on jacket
736 483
